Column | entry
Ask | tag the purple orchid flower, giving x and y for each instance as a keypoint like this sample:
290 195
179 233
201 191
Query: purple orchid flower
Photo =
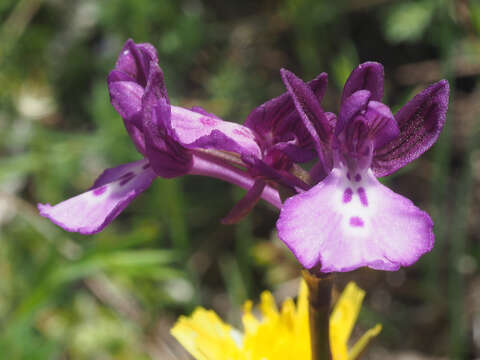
350 220
284 142
173 141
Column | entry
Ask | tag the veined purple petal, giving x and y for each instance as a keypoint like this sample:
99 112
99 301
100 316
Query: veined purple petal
128 80
125 96
135 59
420 121
265 117
126 85
277 119
350 108
367 76
382 126
331 119
195 130
167 157
311 114
155 85
351 220
246 204
294 151
90 212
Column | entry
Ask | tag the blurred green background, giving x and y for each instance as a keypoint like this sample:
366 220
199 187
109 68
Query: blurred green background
116 294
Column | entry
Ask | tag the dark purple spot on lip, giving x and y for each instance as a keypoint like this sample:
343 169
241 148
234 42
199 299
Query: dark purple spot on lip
363 196
126 179
100 190
347 195
358 177
348 176
356 221
146 166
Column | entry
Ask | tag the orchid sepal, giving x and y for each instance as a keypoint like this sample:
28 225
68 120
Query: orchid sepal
420 122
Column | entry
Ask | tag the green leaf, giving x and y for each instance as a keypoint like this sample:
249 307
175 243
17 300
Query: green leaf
119 260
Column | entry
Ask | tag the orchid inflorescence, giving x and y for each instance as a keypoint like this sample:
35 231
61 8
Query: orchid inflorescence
336 217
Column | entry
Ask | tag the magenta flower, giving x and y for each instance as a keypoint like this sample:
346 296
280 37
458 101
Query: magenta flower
350 219
173 141
347 220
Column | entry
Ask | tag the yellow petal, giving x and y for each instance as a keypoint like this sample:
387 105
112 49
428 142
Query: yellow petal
287 314
302 321
346 311
362 343
302 302
250 322
205 336
267 306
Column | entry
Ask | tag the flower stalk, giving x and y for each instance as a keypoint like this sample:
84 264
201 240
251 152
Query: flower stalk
319 303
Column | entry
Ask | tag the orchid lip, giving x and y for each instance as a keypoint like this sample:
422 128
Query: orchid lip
350 220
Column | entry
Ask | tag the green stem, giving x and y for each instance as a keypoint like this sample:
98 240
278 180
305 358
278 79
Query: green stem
319 299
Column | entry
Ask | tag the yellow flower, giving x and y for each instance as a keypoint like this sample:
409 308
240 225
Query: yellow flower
279 335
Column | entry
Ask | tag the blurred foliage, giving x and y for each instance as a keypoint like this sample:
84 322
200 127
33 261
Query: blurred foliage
115 295
407 21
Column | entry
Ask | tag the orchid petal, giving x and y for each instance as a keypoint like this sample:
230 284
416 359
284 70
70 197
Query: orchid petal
246 204
331 119
311 114
382 126
351 107
126 85
135 59
90 212
265 117
342 224
294 151
200 110
194 130
367 76
168 158
126 98
420 121
277 119
125 95
307 105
